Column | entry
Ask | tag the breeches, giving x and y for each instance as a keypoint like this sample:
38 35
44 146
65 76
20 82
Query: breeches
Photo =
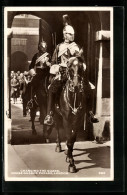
36 81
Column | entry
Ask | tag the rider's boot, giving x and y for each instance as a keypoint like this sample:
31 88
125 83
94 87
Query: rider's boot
93 119
90 104
35 82
51 103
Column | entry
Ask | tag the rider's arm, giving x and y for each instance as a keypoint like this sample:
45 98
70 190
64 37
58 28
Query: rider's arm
48 60
54 59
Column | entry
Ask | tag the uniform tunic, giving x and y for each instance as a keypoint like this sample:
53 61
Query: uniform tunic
40 67
61 56
41 63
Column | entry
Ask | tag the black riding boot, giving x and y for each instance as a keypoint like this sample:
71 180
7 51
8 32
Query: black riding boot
50 109
54 92
90 105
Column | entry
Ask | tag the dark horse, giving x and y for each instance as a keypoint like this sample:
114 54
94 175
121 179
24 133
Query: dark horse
72 107
37 90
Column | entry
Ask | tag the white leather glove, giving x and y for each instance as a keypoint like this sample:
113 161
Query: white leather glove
32 72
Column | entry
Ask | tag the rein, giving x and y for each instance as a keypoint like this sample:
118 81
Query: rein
70 87
74 109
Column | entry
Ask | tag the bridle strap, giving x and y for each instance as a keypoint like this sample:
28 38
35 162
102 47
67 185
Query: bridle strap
74 109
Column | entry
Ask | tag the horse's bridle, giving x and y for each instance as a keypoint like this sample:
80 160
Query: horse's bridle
71 82
70 88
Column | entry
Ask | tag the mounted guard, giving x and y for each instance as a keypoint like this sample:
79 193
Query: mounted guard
37 89
40 61
58 76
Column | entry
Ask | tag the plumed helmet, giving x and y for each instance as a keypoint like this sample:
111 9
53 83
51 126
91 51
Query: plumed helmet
69 29
42 44
67 25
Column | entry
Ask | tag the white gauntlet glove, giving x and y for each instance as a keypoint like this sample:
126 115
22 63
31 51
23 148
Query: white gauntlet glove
32 72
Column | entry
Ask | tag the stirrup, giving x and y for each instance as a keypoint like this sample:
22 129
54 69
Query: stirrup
93 119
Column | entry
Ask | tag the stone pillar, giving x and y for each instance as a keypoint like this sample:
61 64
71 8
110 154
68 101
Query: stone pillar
8 68
101 37
99 85
103 96
9 36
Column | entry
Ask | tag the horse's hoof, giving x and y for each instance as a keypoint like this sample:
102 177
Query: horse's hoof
67 159
58 149
99 140
66 152
34 132
47 141
72 169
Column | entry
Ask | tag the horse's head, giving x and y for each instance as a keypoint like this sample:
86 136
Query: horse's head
75 73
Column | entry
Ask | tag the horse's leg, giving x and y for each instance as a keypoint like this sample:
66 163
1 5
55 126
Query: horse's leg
58 141
71 167
33 115
66 147
46 132
73 139
42 106
70 143
41 113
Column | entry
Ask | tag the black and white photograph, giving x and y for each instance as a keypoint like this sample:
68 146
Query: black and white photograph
58 94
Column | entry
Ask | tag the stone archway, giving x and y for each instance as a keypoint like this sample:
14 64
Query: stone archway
96 22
